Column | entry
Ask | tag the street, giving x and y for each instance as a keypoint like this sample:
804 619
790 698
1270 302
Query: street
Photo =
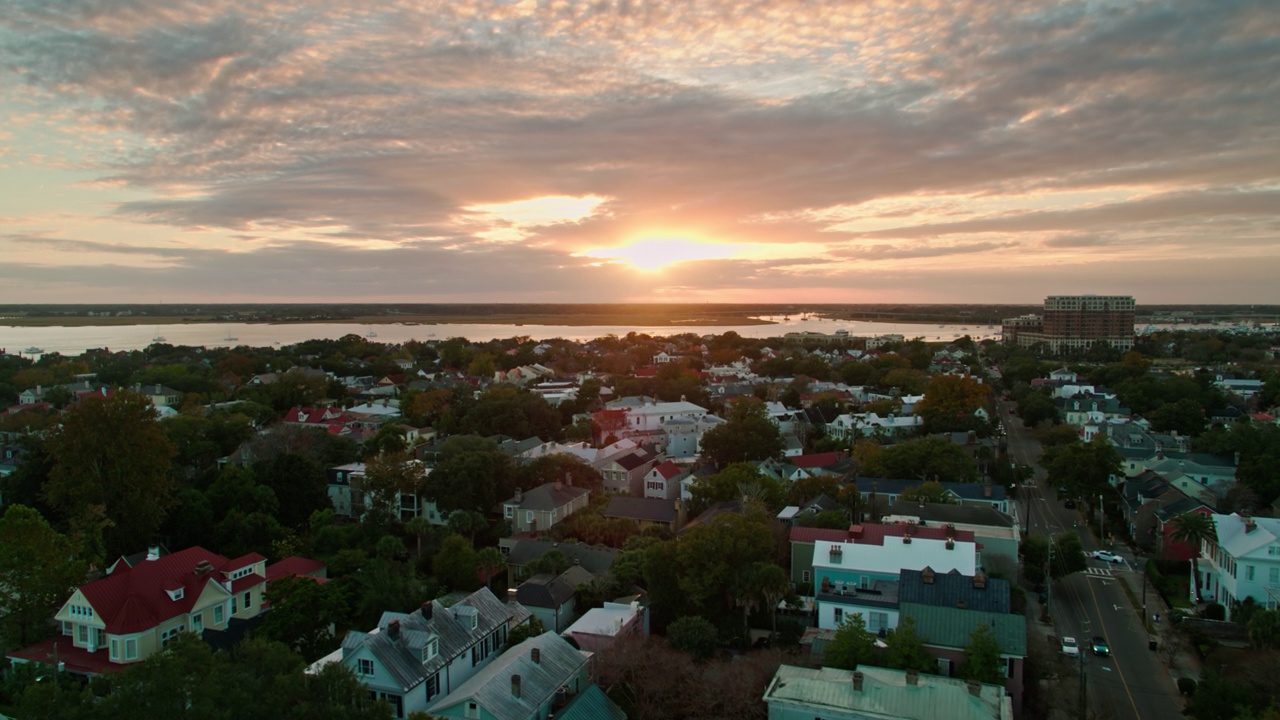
1131 682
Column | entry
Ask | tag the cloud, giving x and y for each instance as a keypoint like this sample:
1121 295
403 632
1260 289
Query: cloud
891 134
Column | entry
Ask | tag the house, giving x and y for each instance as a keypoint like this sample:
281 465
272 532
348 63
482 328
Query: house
663 480
159 395
1166 518
140 607
876 693
331 420
998 534
641 416
1244 562
952 589
413 659
351 498
599 628
851 426
946 632
646 512
551 598
596 560
540 677
625 472
543 506
872 552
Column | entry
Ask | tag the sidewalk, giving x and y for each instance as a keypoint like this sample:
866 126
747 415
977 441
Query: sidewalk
1184 662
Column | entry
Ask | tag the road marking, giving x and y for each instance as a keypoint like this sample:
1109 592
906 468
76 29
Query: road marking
1117 607
1101 572
1103 630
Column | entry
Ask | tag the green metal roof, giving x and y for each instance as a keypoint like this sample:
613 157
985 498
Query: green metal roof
591 704
951 627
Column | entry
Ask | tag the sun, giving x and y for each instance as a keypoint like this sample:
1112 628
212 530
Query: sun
651 254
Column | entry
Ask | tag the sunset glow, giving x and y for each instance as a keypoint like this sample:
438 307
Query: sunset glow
655 253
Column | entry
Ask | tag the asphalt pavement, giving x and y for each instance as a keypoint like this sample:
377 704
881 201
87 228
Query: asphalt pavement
1132 681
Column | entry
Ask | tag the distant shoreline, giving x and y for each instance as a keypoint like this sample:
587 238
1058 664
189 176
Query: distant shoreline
625 320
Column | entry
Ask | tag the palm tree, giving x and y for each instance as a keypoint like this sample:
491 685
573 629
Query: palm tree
1194 529
418 526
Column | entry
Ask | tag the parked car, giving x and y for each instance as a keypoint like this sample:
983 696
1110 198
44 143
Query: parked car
1070 647
1106 556
1100 646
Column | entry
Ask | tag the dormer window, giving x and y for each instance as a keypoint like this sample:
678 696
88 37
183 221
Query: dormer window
430 650
177 594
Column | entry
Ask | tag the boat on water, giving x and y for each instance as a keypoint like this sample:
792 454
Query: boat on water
159 339
33 350
371 334
230 338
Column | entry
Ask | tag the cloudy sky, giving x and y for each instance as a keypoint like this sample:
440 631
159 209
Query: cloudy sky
639 150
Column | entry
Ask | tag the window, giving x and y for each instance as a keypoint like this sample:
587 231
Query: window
248 600
364 667
838 614
115 649
1008 667
804 576
197 622
1273 575
1273 550
473 710
233 604
68 628
84 634
433 686
131 649
170 635
218 614
879 621
509 511
1248 572
528 516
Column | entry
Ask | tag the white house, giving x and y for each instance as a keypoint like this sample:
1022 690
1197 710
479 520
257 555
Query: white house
1243 563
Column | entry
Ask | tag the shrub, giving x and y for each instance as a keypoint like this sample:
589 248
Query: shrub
1186 686
1214 611
694 635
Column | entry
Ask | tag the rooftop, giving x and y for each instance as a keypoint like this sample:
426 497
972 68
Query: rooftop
885 693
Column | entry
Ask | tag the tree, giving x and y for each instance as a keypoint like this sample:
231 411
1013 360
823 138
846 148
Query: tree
1037 407
455 564
1068 556
1264 629
385 478
694 635
930 492
489 562
532 627
300 481
905 649
472 474
560 467
736 482
112 452
760 584
920 459
468 523
982 657
303 612
747 435
950 402
38 571
811 486
713 557
1194 529
1083 468
508 410
852 645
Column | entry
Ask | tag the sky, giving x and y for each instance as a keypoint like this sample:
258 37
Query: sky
933 151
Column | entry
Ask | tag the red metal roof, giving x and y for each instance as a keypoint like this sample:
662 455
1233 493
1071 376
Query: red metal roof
133 599
812 534
293 565
668 469
74 659
874 533
816 459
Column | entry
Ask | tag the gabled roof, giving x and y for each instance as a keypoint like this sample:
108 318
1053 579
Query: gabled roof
597 560
402 657
634 508
936 513
1237 540
951 588
133 599
633 460
952 627
591 704
545 590
885 693
815 460
667 469
491 686
548 497
1178 508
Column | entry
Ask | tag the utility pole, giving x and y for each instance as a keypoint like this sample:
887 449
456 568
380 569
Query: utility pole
1102 519
1048 582
1086 641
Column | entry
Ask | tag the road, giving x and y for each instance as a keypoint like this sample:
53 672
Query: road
1131 682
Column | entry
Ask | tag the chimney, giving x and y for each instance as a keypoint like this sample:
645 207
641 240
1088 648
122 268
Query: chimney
986 489
951 543
535 655
515 686
393 629
922 501
913 678
519 495
511 595
427 610
1249 524
926 575
975 688
857 681
906 538
979 582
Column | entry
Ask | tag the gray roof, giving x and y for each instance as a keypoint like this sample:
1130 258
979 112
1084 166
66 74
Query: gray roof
591 704
882 593
545 590
819 692
634 508
402 658
633 460
490 688
597 560
952 627
940 514
950 589
548 497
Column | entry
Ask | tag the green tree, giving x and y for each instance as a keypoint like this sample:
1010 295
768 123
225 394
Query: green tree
1194 529
112 452
905 649
508 410
747 435
385 478
922 459
736 482
714 557
468 523
982 657
38 571
472 474
1036 407
694 635
489 562
532 627
1264 629
303 612
852 645
560 467
760 585
930 492
1067 554
1083 468
455 564
298 479
1185 416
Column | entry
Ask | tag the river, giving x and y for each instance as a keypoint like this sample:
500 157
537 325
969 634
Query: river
71 341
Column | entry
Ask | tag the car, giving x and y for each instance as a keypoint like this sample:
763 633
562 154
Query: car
1069 504
1106 556
1012 411
1100 646
1070 647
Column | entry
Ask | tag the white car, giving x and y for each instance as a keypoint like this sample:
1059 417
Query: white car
1107 556
1070 647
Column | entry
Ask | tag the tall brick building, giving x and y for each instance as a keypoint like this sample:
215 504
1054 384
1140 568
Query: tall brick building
1075 322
